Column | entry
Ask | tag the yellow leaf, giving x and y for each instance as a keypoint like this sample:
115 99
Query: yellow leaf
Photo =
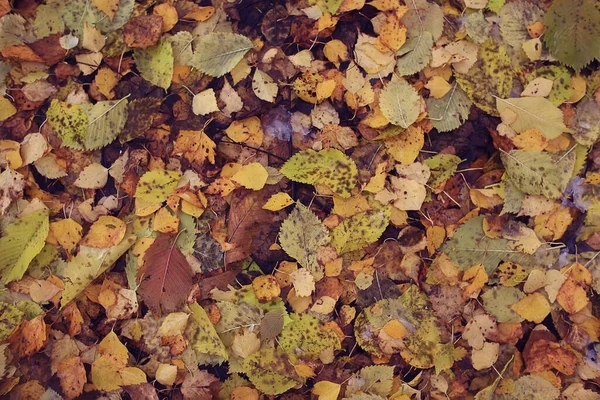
533 307
200 14
395 329
304 370
350 206
246 130
326 390
106 80
166 374
251 176
278 201
405 147
531 139
325 89
392 34
108 7
572 295
195 146
145 208
169 15
438 87
336 51
265 288
578 84
67 233
9 151
478 277
377 182
166 221
205 102
106 232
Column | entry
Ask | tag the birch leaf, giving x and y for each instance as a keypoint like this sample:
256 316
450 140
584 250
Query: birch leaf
219 52
449 112
21 242
329 167
264 86
301 235
400 103
360 230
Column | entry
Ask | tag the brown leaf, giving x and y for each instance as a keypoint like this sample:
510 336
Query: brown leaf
272 324
4 7
72 375
21 53
276 25
195 385
545 355
143 31
168 277
29 338
144 391
246 219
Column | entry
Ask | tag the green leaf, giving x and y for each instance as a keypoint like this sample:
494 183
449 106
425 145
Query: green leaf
534 113
533 387
87 127
48 20
156 63
21 242
449 112
477 27
120 18
106 119
442 167
561 88
495 5
156 185
415 54
329 167
301 235
206 342
74 13
572 28
497 301
270 371
360 230
182 48
491 75
304 338
90 263
515 17
469 246
535 172
377 379
70 122
219 52
400 103
10 316
513 198
586 129
423 16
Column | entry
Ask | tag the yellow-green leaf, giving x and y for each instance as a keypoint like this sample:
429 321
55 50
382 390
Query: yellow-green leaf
156 185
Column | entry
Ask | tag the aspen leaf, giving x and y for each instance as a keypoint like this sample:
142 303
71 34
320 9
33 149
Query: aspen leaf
264 86
21 242
106 232
67 233
400 103
251 176
217 53
438 87
533 307
486 356
278 201
205 102
110 371
94 176
326 390
303 281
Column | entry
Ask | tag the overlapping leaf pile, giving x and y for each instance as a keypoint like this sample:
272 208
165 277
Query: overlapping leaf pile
332 199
